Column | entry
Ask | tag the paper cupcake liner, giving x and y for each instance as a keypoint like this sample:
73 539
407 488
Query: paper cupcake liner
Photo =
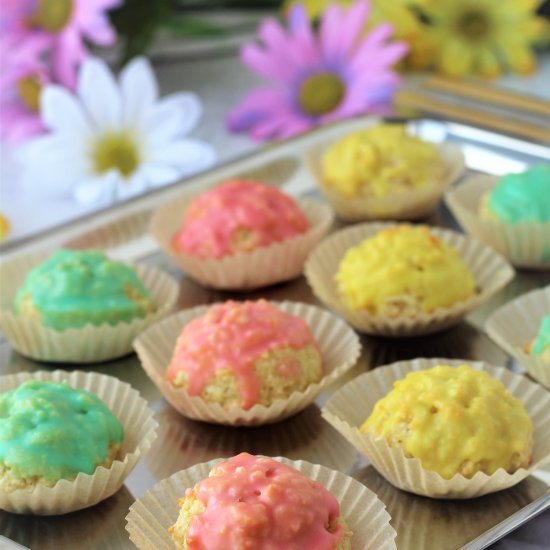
517 323
525 244
338 344
87 489
424 523
408 205
490 271
246 270
276 172
181 442
87 344
343 412
152 515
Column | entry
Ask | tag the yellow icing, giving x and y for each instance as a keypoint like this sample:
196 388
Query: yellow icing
406 263
453 419
380 161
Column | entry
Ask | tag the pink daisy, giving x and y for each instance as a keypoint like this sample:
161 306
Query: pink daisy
66 23
22 76
336 73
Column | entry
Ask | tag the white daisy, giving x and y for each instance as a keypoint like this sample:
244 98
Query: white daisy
114 139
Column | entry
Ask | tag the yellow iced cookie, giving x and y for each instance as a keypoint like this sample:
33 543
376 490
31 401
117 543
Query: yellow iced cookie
455 420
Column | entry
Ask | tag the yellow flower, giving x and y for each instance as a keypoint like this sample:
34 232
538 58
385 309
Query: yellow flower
479 36
397 12
4 227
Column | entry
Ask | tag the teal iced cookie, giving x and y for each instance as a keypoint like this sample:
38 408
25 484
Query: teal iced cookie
74 288
523 197
50 431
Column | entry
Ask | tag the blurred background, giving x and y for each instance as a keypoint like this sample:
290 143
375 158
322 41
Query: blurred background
457 53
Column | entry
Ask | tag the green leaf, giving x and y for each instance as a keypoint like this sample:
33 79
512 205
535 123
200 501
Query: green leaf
137 23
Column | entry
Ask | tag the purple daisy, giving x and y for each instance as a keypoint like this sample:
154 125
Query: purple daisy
336 73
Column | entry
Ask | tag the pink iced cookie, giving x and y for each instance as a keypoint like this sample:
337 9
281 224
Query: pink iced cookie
259 503
241 353
238 216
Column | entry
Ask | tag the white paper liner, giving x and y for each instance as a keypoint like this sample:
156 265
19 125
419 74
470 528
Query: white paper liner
490 271
87 344
181 442
516 324
408 205
88 489
338 343
423 523
525 244
264 266
365 514
353 404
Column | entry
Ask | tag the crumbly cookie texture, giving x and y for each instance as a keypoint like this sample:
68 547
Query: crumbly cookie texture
403 271
51 431
238 216
242 354
75 288
258 503
381 161
455 420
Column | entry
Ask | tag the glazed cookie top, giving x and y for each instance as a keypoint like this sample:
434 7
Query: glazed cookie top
83 281
274 506
238 216
384 159
403 261
233 336
542 341
523 197
52 431
447 416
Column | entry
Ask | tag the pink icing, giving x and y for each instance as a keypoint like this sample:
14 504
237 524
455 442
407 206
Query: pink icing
261 504
212 219
233 336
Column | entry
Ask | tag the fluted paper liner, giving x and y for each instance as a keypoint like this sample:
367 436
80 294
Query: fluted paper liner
263 266
408 205
338 343
525 244
87 489
87 344
354 402
490 271
365 514
516 324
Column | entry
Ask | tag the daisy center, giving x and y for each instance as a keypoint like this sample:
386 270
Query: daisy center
52 15
321 93
29 88
473 25
116 151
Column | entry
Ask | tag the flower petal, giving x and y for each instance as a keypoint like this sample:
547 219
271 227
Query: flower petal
61 112
183 153
100 95
157 174
139 90
126 188
97 189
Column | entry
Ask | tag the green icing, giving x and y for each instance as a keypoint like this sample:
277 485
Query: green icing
51 430
73 288
543 337
522 197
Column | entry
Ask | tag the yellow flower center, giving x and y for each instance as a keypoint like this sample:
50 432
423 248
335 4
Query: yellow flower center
116 151
473 25
321 93
29 88
52 15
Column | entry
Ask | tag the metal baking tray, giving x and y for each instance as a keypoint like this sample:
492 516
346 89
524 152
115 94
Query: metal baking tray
421 523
